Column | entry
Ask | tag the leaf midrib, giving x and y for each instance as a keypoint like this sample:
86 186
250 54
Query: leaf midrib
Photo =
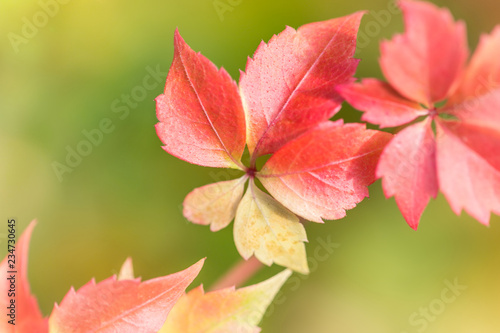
306 74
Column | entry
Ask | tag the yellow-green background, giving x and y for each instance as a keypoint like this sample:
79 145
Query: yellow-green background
124 198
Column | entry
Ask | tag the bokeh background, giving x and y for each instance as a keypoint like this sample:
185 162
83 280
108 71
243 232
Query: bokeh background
124 198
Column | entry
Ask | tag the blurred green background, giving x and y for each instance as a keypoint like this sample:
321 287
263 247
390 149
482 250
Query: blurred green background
124 198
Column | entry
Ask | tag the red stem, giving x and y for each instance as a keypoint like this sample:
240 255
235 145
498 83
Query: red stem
239 274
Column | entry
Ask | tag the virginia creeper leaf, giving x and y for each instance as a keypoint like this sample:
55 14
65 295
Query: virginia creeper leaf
121 306
288 86
481 109
225 310
469 174
483 72
288 89
28 318
214 204
325 171
200 113
478 97
408 170
424 63
384 106
266 229
484 140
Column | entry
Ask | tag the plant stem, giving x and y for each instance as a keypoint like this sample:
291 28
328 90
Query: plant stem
238 274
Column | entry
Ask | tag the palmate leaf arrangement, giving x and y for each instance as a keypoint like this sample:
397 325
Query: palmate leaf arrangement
317 168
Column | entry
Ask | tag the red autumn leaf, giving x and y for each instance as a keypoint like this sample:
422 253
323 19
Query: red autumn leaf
288 86
383 105
424 63
463 160
483 72
121 305
478 95
287 90
483 108
28 318
408 170
469 168
225 310
200 112
325 171
482 139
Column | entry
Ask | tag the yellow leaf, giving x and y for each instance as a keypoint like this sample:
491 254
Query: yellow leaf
225 310
214 204
267 229
127 270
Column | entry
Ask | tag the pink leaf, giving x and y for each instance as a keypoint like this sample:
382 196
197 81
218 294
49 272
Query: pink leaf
479 137
484 108
200 113
28 316
424 63
478 97
483 71
408 170
325 171
121 306
469 174
382 104
289 84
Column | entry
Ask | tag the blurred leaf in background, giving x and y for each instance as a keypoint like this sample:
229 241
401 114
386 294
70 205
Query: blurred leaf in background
77 89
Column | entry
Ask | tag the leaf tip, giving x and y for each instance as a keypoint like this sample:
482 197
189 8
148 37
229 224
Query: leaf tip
199 265
177 34
127 270
178 40
359 15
